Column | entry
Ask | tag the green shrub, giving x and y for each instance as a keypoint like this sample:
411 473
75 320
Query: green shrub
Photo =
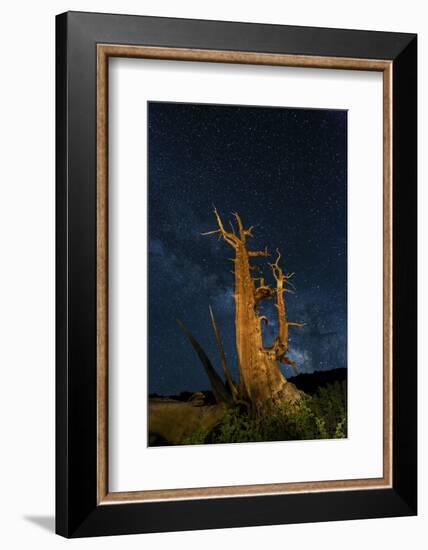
320 416
197 438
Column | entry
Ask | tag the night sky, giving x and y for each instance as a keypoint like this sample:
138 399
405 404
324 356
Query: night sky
285 172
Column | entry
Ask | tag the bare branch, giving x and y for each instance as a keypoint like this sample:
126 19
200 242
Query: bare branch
212 232
254 253
276 270
232 387
287 282
243 233
229 237
281 343
240 226
249 232
220 391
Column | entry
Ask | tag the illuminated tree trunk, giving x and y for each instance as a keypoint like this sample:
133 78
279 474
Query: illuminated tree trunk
261 379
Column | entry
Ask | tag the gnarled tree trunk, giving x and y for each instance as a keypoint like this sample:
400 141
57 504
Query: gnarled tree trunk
261 379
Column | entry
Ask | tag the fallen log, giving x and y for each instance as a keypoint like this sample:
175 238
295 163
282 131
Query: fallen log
174 421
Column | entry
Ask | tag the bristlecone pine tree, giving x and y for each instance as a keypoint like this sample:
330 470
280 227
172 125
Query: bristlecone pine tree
261 379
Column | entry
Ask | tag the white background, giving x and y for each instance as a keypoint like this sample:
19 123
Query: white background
133 466
27 274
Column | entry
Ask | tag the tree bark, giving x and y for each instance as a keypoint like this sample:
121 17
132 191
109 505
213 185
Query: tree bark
261 379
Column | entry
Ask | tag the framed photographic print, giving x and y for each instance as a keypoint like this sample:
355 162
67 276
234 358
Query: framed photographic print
236 274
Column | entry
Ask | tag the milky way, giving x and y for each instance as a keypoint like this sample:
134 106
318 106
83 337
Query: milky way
285 172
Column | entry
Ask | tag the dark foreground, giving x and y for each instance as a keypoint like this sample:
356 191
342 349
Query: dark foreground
196 418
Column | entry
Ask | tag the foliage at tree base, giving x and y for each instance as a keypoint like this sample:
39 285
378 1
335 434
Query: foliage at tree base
318 416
